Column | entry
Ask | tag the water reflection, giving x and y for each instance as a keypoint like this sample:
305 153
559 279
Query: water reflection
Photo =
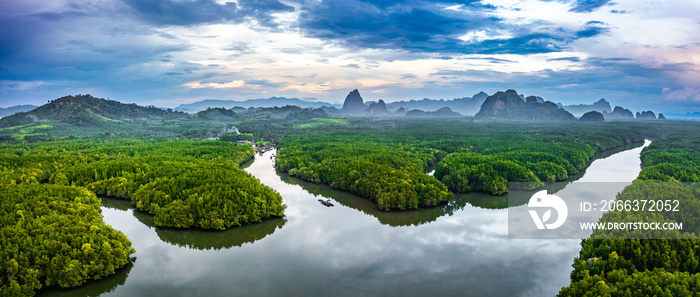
201 239
452 250
391 218
114 203
205 240
92 288
481 200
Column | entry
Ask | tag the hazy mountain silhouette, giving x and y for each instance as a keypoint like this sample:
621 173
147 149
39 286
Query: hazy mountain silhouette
464 105
353 104
600 106
592 116
378 109
444 112
509 105
269 102
620 113
15 109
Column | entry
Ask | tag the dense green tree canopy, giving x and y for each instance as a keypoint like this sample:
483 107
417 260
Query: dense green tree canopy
643 267
385 161
53 235
50 222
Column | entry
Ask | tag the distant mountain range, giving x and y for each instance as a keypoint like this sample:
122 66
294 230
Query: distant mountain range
689 116
600 106
15 109
464 105
356 107
85 110
269 102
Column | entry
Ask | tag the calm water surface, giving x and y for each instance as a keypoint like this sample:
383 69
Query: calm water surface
351 249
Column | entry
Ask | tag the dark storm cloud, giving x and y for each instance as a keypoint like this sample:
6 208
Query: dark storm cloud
14 36
421 26
82 38
410 25
173 12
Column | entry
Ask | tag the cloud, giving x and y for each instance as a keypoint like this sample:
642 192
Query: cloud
240 47
683 94
570 59
226 85
615 11
623 81
191 12
435 27
493 60
264 83
409 25
159 49
592 29
18 85
583 6
527 44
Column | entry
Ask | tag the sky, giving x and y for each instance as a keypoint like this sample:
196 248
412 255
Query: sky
634 53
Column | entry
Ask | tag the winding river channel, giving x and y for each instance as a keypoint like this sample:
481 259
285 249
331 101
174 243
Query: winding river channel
351 249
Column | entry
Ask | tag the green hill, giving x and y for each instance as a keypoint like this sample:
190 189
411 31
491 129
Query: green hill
86 110
85 116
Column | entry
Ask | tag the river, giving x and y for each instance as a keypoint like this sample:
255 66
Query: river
351 249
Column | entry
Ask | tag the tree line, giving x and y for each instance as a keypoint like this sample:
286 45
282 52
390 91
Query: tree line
51 227
390 175
610 265
385 161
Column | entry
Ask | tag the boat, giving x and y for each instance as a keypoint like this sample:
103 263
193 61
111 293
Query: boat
326 202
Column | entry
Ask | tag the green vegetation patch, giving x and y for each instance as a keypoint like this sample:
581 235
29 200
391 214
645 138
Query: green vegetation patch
183 183
464 172
25 131
52 235
618 282
319 122
649 267
389 174
385 160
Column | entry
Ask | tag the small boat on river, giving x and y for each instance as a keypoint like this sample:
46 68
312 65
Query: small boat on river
326 202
